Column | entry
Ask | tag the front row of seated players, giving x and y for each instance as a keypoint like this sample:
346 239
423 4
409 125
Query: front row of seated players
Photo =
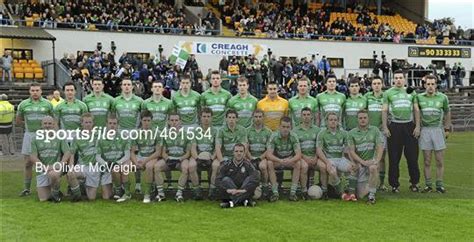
301 149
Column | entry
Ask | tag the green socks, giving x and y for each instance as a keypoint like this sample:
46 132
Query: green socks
439 183
428 182
382 177
147 188
352 184
27 183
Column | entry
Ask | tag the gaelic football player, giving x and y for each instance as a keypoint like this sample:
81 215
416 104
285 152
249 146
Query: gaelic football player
86 151
31 111
374 108
186 102
330 145
302 100
434 107
330 101
127 107
227 137
68 113
99 103
353 104
273 106
175 154
203 152
158 105
258 136
402 132
216 99
366 148
146 151
243 102
307 134
52 155
284 152
114 153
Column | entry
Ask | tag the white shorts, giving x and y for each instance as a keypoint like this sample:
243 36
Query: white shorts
42 180
26 145
93 177
432 138
341 164
363 175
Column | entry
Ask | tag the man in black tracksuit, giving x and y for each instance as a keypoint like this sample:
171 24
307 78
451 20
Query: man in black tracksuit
237 180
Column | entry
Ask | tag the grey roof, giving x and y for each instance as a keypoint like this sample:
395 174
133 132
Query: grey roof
14 32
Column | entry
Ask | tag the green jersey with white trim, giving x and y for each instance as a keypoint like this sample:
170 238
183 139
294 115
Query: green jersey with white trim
48 152
205 143
99 107
332 143
365 141
112 150
228 138
351 107
33 112
330 102
69 114
297 103
432 109
146 145
187 106
128 111
374 108
244 107
284 147
258 140
307 138
159 109
400 104
85 150
217 103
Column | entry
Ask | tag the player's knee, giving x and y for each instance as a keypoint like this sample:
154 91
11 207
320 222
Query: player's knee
262 165
373 169
149 166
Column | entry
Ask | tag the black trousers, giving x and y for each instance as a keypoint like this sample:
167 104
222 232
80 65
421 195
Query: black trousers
228 183
402 140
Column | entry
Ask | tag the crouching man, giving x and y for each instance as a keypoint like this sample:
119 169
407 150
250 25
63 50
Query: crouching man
237 180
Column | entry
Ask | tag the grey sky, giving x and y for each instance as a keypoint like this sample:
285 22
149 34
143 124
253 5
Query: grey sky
461 10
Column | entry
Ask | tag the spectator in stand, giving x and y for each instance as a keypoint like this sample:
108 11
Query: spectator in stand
6 66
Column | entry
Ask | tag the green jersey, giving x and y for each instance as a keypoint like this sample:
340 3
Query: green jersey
48 152
112 150
176 148
128 111
332 143
99 107
146 145
307 139
228 138
217 103
330 103
69 114
33 112
258 140
206 144
159 109
374 108
400 104
365 142
284 148
187 106
85 150
244 107
297 103
432 109
351 107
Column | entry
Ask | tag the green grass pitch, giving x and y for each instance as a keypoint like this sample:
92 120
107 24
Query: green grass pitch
403 217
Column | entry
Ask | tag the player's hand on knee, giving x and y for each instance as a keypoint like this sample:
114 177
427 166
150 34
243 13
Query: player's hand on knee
386 132
416 132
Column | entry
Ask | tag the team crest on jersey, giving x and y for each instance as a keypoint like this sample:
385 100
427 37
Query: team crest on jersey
242 169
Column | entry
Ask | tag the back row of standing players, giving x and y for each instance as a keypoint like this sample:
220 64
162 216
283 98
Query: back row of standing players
267 145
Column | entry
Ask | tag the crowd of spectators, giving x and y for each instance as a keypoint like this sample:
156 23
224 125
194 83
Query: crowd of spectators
441 29
145 16
4 18
288 21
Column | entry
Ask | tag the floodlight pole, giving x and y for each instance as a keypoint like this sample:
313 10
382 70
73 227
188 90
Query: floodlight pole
54 64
